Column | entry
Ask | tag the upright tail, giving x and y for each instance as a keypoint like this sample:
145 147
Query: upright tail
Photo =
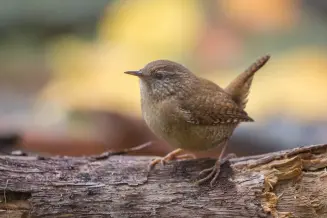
239 88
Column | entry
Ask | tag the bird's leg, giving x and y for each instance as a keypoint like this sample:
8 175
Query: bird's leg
171 156
213 172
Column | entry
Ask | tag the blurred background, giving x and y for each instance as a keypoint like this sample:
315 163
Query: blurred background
63 91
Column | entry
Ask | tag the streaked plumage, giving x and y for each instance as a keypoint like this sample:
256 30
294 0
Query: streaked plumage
190 112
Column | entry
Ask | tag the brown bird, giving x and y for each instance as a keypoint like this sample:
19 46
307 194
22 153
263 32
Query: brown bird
191 113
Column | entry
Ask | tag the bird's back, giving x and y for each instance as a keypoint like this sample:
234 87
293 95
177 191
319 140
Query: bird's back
209 104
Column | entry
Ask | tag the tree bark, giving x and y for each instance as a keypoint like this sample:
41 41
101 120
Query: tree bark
291 183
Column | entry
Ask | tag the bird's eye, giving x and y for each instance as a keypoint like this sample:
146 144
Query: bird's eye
158 75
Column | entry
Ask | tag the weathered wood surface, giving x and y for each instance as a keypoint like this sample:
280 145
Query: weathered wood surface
290 183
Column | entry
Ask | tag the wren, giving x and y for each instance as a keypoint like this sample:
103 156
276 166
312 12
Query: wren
191 113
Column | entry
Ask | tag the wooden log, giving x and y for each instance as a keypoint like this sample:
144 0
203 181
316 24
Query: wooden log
291 183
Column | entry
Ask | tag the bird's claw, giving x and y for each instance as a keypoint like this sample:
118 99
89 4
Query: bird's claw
213 172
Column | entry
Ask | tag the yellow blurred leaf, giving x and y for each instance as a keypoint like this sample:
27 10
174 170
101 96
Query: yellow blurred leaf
90 74
158 29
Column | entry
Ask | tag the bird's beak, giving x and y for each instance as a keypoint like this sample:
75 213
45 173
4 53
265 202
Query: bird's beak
134 72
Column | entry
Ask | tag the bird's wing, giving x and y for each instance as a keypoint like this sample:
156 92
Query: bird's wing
239 88
211 106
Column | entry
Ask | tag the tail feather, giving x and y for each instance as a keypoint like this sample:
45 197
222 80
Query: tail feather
239 88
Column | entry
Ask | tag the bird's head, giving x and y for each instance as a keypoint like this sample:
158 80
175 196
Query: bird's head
163 77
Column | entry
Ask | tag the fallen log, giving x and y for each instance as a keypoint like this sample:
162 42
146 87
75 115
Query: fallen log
290 183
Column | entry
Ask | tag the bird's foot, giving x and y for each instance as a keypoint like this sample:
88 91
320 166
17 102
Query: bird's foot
174 155
212 173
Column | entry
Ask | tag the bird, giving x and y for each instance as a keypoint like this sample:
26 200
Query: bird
191 113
